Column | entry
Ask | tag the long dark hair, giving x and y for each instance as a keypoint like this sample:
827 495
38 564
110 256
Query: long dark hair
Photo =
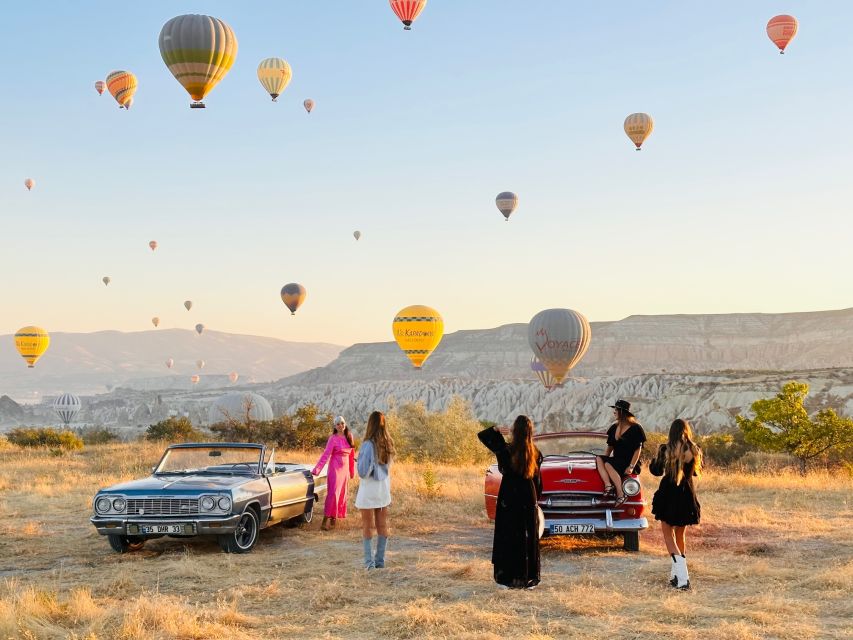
377 433
678 446
347 434
523 454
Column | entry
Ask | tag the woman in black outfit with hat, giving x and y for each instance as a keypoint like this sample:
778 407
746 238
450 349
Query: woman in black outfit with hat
515 552
625 439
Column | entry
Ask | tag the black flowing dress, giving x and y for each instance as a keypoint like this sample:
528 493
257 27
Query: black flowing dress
515 552
624 447
675 504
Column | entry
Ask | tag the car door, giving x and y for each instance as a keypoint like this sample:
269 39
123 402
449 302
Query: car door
289 490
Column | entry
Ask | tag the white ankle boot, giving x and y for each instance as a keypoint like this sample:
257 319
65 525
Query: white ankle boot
672 579
681 575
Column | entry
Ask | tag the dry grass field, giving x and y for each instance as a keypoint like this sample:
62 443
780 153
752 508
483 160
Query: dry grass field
772 559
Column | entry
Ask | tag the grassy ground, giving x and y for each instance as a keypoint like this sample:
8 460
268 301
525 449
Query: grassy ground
772 559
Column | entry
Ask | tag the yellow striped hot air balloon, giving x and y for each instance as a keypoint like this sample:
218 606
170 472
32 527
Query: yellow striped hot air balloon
418 330
638 127
122 85
275 74
199 51
31 342
293 295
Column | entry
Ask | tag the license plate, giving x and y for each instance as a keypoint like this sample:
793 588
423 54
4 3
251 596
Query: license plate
572 528
162 528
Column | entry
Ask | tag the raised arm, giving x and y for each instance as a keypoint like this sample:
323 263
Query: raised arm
493 440
321 463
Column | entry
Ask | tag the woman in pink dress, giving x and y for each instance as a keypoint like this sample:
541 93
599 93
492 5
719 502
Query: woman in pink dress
340 454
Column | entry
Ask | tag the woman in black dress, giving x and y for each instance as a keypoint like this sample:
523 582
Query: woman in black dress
625 439
675 503
515 552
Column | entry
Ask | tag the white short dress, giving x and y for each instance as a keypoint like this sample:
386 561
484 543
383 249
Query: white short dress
373 494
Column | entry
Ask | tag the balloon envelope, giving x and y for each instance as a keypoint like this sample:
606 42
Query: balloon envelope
122 85
188 304
418 330
195 378
293 295
169 363
198 50
638 127
308 104
781 30
408 11
274 74
106 280
233 376
29 183
155 321
152 245
67 406
31 342
542 373
356 235
100 85
507 202
199 364
199 328
559 338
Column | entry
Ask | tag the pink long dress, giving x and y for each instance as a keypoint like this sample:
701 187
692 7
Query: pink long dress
338 453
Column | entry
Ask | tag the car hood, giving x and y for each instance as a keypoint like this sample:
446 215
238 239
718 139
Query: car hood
200 483
566 475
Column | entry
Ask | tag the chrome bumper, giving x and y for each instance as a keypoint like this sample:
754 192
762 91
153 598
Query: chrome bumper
605 524
118 526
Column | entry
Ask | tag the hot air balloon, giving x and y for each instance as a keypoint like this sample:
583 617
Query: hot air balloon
542 373
199 329
308 104
275 75
31 342
195 378
356 235
638 127
122 85
781 30
559 338
293 295
199 51
507 202
106 280
29 183
100 85
170 363
233 376
199 364
155 321
408 11
418 330
153 245
67 406
188 304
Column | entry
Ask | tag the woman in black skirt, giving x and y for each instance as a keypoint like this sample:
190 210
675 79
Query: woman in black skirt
625 439
515 551
675 503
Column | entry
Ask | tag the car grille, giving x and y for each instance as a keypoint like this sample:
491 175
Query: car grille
162 506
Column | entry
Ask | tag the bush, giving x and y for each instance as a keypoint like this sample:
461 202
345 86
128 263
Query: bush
98 435
174 430
718 449
306 429
45 437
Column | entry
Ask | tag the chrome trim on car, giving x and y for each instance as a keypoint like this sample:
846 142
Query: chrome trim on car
602 524
286 503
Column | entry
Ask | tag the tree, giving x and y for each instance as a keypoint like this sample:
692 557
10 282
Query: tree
783 424
174 430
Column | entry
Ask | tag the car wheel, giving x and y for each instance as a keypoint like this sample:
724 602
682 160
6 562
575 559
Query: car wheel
244 536
308 515
123 544
632 541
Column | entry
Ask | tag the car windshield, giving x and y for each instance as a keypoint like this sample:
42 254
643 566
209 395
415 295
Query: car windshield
210 460
571 445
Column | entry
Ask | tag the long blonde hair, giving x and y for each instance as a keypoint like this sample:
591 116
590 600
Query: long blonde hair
523 454
377 433
679 448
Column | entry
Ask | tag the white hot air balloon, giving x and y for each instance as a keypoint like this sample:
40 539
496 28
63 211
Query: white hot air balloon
170 363
67 406
559 338
199 364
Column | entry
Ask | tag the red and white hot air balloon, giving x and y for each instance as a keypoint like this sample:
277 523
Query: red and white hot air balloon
781 30
100 85
308 103
408 11
152 245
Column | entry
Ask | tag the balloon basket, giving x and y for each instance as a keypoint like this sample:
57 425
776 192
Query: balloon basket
197 105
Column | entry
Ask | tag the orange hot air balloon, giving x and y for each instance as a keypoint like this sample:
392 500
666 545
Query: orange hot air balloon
233 376
638 127
122 85
31 342
155 322
195 378
29 183
152 245
781 30
293 295
408 11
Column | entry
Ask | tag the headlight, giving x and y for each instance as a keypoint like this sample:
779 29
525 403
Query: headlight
631 487
207 503
224 503
119 504
102 505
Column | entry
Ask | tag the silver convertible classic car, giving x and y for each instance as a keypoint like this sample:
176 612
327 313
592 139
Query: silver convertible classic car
227 490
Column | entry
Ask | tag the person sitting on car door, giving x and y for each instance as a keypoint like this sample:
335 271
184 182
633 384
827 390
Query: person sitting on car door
625 439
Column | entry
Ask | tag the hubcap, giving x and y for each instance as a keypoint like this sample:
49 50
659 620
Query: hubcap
245 531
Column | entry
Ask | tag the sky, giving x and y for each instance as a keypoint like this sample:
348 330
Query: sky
740 200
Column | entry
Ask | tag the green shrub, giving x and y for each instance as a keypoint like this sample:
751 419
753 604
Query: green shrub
98 435
174 430
430 489
308 428
45 437
718 449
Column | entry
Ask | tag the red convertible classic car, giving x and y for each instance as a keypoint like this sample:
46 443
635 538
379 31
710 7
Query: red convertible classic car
573 499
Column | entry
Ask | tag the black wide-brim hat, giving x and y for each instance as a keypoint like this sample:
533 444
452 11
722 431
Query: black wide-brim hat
623 405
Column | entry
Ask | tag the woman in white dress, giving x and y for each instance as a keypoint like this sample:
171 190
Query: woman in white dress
374 490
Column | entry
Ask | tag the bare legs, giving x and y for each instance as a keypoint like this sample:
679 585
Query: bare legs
615 480
599 466
669 538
